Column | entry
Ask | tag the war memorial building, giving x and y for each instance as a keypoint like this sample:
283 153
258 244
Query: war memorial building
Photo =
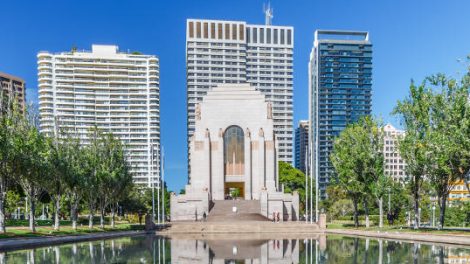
234 159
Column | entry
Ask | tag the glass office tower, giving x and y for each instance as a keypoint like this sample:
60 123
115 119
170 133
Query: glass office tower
340 85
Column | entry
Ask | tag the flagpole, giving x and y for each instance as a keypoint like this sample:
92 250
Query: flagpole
151 181
306 184
158 189
163 185
311 191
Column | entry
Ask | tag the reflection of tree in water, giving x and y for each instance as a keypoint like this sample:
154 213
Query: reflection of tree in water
122 250
358 250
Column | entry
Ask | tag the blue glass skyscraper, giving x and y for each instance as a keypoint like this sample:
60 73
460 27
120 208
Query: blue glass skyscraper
340 86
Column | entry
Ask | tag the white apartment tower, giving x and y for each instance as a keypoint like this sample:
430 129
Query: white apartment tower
394 164
229 52
115 91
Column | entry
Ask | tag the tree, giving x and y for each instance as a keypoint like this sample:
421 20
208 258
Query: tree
75 179
448 137
340 208
119 179
380 187
59 169
293 180
347 158
358 161
10 117
90 180
414 112
32 149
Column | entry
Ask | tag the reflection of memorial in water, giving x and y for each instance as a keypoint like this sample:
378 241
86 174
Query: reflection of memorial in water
236 251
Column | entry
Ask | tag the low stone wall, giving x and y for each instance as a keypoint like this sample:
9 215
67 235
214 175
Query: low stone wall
24 243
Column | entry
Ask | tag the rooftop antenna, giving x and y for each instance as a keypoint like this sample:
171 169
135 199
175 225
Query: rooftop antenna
268 14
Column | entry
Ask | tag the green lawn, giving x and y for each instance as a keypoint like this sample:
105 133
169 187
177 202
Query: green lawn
66 230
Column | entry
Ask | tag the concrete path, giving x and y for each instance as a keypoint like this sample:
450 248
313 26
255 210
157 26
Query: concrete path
22 243
454 239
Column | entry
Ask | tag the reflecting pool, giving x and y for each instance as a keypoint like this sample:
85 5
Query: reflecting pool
235 249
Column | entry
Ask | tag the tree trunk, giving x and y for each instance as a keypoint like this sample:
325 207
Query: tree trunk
442 211
366 212
2 212
57 212
102 212
32 208
112 217
356 217
90 217
74 214
416 205
381 212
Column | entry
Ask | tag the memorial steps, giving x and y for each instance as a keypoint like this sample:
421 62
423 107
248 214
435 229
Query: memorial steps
235 210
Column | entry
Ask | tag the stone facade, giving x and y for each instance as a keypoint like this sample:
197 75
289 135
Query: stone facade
233 147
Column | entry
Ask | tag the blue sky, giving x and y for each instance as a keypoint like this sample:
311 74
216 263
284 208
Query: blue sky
411 39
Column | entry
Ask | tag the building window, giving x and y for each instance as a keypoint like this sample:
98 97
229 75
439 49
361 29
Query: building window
227 31
234 31
219 29
234 151
212 30
241 32
206 30
191 29
198 29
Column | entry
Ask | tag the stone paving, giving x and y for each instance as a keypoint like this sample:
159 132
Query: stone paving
456 239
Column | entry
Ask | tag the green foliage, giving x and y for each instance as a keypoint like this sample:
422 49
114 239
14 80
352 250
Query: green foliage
293 180
341 208
358 161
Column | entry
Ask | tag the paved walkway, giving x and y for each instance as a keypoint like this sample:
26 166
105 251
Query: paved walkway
21 243
455 239
237 227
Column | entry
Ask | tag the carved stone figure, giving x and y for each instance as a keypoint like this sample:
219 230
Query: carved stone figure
270 110
261 132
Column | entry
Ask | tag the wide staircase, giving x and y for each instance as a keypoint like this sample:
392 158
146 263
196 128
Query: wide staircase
246 210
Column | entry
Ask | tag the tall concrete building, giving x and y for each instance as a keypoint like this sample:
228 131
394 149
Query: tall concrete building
340 86
115 91
301 145
12 88
394 165
234 52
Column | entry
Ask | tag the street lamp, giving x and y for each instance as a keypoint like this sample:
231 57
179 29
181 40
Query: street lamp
433 215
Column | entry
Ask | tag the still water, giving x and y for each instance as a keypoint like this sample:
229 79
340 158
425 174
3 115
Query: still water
226 249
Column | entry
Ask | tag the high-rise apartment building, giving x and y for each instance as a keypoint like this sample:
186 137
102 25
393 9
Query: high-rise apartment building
117 92
12 88
301 145
340 85
220 52
394 164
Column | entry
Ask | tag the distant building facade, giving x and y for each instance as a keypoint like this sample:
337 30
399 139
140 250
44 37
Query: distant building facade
394 165
12 88
114 91
301 145
459 192
232 52
340 87
234 148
